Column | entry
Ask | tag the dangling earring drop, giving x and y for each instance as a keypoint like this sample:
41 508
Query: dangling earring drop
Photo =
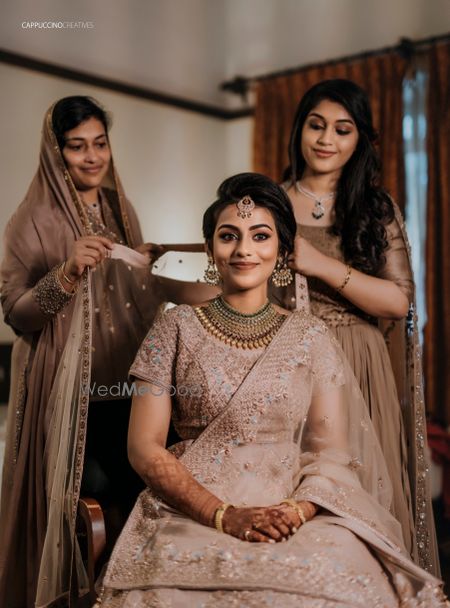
211 274
281 275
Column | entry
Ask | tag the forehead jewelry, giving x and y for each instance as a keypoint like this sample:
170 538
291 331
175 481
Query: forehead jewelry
245 207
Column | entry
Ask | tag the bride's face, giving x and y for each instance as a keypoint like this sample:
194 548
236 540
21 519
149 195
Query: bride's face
87 154
245 250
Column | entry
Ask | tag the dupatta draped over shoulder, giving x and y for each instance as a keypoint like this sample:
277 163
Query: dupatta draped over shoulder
62 343
258 427
386 358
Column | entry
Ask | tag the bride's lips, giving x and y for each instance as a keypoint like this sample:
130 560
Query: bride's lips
243 265
323 153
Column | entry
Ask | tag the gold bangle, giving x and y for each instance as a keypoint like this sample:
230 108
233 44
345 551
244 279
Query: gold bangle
66 278
346 279
294 504
218 515
59 270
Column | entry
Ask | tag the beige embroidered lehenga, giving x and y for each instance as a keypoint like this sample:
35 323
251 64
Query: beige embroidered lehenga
257 426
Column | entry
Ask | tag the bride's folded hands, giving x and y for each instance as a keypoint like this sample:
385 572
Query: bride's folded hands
271 524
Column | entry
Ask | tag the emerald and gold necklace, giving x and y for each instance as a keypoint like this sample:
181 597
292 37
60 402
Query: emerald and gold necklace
235 328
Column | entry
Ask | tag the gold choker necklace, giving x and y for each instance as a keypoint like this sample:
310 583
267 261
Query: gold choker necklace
235 328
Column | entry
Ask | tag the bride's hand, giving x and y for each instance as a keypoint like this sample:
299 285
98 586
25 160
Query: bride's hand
260 524
152 251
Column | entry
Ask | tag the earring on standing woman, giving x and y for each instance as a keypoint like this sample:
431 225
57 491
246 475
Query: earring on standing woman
211 274
281 275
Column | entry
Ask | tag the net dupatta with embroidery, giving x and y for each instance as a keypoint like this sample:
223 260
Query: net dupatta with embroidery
402 338
68 410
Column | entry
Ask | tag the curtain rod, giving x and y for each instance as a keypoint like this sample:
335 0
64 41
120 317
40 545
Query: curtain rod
240 85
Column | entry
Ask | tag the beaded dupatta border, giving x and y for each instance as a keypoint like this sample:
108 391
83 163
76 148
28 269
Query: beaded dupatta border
414 416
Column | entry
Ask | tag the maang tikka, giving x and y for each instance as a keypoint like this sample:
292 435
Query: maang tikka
245 207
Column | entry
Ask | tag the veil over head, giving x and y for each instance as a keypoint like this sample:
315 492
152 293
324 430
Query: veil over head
54 360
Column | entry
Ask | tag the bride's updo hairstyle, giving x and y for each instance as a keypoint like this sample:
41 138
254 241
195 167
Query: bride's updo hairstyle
265 193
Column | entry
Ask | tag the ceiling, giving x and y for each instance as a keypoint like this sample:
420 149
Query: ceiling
187 48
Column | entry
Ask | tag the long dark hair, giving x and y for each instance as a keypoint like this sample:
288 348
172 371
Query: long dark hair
362 207
69 112
265 193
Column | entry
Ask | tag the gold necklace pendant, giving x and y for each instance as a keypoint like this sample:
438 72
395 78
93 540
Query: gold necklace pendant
248 331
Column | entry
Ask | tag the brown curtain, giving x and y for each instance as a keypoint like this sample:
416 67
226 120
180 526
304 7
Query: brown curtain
437 329
277 98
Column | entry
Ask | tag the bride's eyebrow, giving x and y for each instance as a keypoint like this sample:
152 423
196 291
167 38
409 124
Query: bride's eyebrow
256 227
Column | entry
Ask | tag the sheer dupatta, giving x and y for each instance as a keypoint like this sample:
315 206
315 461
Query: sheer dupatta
402 339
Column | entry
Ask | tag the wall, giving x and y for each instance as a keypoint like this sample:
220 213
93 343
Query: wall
176 46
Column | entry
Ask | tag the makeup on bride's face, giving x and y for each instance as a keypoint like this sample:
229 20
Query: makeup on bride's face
87 154
245 249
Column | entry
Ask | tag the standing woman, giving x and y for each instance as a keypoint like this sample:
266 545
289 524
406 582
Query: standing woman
78 332
352 247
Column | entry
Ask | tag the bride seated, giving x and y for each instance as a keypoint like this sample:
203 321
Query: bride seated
277 493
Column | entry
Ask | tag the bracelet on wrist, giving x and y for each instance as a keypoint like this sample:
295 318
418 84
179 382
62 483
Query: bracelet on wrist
218 516
294 504
65 277
60 272
346 279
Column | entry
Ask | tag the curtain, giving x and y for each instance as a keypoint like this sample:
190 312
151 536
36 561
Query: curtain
437 251
277 98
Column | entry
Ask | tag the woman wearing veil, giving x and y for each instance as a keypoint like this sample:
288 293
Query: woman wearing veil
78 331
353 248
277 493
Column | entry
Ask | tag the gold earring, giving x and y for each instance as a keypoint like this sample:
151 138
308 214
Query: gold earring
211 274
281 275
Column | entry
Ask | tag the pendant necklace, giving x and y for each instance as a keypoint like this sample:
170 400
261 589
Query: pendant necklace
319 209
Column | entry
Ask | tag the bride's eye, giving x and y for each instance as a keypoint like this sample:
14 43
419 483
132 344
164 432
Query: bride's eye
228 236
261 236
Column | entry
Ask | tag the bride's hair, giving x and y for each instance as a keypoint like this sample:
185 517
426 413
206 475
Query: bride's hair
362 207
265 193
69 112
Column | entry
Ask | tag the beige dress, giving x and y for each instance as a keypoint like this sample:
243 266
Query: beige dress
257 427
367 353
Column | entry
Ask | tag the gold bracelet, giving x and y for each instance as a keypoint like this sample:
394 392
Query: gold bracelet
66 278
60 283
294 504
218 515
346 279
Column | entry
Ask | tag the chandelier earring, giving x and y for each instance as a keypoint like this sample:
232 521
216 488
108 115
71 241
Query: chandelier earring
211 274
281 275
